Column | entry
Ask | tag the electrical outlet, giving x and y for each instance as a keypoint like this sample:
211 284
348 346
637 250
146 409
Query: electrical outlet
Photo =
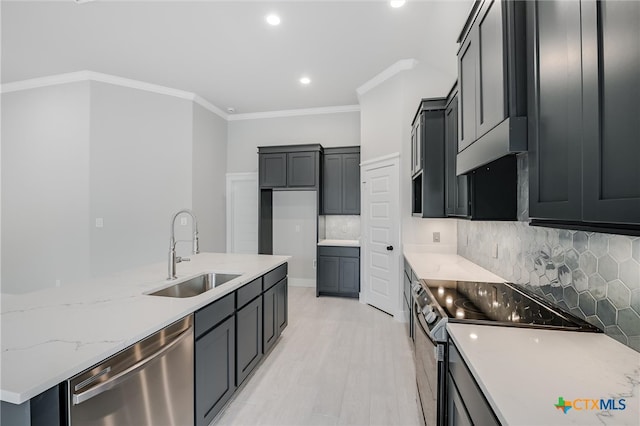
57 283
297 228
494 250
436 237
99 222
315 263
183 221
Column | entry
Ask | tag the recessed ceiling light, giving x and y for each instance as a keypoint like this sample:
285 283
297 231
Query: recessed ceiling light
397 3
273 19
305 80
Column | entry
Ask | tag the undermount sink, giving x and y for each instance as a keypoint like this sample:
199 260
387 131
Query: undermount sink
196 285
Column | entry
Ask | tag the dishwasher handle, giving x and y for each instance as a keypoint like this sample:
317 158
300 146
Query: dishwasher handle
124 375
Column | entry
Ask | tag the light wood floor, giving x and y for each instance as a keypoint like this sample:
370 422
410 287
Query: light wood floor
338 362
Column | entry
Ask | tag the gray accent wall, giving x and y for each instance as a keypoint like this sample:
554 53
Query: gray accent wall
209 177
45 187
593 275
76 152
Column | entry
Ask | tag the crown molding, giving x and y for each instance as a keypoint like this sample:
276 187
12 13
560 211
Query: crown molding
294 112
74 77
402 65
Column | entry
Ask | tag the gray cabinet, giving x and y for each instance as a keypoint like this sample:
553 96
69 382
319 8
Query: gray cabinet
338 271
583 128
248 338
214 358
269 319
282 305
492 81
456 197
341 181
467 405
215 367
273 170
289 167
428 184
275 306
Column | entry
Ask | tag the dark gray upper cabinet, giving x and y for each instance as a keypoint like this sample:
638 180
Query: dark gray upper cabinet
273 170
611 108
492 78
338 271
341 181
289 167
584 128
428 185
456 197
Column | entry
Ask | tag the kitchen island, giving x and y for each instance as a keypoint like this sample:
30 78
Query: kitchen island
50 335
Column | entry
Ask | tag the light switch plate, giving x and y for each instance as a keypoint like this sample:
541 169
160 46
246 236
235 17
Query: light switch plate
99 222
436 237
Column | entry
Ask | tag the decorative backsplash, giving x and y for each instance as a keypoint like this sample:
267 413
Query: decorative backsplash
595 276
342 227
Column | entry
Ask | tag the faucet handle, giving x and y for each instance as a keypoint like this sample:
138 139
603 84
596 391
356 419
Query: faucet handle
182 259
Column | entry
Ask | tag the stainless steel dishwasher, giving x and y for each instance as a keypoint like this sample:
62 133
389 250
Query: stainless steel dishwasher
149 383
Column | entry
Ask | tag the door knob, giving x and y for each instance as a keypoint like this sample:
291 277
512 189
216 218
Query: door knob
389 248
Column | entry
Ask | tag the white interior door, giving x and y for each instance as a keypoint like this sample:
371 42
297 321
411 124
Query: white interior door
242 213
381 234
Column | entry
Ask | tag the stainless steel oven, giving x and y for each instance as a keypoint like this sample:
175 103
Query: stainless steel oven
150 383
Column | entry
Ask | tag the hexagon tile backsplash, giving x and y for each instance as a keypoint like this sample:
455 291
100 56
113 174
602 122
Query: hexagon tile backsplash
595 276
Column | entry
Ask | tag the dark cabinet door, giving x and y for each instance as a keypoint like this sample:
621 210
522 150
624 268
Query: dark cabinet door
248 339
349 275
269 319
332 184
215 369
468 75
491 94
433 173
328 273
351 184
555 105
457 199
273 170
611 111
282 305
301 169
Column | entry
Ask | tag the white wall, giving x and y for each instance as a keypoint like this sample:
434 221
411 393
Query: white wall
45 187
140 174
76 152
294 233
245 136
209 171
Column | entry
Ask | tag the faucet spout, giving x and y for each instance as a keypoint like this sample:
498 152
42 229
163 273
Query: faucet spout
173 259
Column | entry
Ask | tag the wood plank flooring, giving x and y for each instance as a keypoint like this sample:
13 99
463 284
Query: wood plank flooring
339 362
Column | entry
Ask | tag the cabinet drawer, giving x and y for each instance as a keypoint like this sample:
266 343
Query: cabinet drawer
339 251
214 313
471 395
248 292
271 278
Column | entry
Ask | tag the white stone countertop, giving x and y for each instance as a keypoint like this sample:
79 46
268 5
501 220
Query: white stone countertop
49 336
443 266
340 243
523 372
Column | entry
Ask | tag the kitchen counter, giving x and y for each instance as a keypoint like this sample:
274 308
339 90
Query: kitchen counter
49 336
441 266
340 243
522 373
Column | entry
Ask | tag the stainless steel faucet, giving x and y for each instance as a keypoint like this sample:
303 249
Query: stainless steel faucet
173 259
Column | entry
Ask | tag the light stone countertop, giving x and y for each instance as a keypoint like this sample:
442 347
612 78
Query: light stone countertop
49 336
523 371
340 243
443 266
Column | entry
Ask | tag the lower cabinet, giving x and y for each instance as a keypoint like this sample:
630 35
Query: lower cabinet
215 367
338 271
232 334
248 338
466 403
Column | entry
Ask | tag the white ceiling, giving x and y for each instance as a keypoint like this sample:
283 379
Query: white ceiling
225 52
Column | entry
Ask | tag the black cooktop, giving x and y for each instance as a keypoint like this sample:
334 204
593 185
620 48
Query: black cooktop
503 303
